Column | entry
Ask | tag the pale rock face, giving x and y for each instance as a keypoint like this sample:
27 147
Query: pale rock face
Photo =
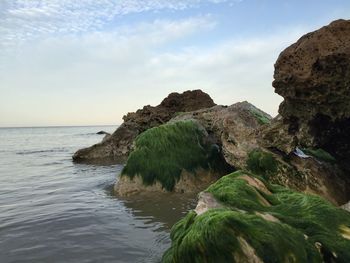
248 253
188 183
346 206
206 201
233 128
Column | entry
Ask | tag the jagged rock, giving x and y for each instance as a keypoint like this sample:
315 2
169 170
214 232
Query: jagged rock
309 175
233 128
313 77
118 145
249 220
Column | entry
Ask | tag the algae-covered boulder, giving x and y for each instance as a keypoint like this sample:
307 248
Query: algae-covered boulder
253 221
178 157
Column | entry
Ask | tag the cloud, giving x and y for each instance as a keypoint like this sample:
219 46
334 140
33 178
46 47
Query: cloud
23 20
98 77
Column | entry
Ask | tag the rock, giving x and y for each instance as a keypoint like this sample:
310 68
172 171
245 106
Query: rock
249 220
227 130
346 206
118 145
106 137
313 77
174 157
188 183
233 128
206 201
103 132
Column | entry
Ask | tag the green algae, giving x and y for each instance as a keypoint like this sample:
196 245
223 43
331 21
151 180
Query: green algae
236 193
262 163
300 222
261 118
320 154
163 152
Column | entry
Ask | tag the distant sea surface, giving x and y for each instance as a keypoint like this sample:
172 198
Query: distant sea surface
53 210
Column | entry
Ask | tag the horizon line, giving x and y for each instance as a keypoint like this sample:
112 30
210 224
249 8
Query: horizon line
57 126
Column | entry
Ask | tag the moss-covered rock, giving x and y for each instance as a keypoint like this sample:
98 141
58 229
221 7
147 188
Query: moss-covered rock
260 222
262 163
162 154
320 154
260 116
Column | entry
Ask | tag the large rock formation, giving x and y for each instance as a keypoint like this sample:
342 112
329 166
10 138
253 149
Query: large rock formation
118 145
313 76
234 128
242 218
227 135
237 129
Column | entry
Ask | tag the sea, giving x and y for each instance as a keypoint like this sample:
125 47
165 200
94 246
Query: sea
55 210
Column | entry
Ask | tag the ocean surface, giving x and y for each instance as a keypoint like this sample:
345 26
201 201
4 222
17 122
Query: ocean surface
53 210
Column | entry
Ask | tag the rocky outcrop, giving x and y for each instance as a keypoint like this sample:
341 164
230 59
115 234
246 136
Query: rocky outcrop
226 134
233 128
242 218
313 77
117 147
312 175
174 157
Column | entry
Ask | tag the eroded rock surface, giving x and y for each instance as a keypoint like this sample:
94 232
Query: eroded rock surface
313 77
233 128
118 145
188 183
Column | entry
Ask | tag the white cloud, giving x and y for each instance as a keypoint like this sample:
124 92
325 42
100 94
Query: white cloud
98 77
23 20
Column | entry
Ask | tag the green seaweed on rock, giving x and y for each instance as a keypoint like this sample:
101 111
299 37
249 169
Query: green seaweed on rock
262 163
261 118
289 227
320 154
163 152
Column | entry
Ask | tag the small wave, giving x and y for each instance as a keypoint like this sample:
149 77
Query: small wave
42 151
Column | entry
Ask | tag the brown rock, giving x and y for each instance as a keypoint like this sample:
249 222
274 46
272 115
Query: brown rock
117 147
313 76
233 129
188 183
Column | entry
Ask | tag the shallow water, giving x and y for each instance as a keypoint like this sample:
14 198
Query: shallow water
52 210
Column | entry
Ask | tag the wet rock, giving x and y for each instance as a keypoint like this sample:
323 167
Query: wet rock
188 183
175 157
118 145
236 226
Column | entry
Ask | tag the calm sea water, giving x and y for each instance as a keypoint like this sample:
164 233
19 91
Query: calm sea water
53 210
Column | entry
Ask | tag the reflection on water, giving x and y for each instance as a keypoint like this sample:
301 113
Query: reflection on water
52 210
161 207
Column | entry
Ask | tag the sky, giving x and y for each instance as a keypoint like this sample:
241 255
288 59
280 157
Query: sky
89 62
